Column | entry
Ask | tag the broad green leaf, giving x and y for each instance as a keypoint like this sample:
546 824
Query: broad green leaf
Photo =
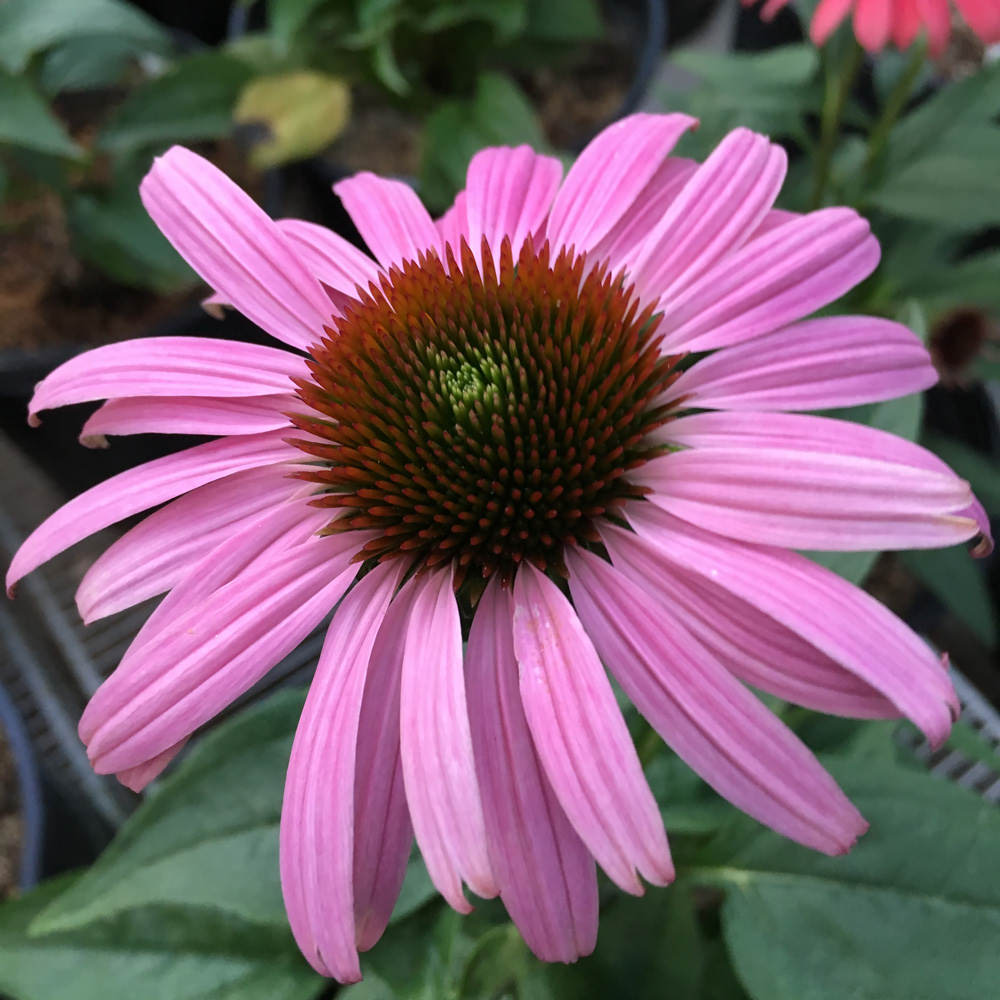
974 744
956 579
208 837
912 912
85 63
25 119
787 66
974 281
31 26
302 113
194 100
497 114
562 20
687 804
286 17
158 953
507 18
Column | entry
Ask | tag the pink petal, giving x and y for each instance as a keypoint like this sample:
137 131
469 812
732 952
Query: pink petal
838 361
329 257
453 226
188 415
168 366
810 500
390 218
936 15
608 175
317 815
438 766
828 15
235 246
206 656
546 876
508 193
810 434
154 555
872 23
143 487
581 739
718 209
773 280
706 715
983 16
138 777
775 218
747 642
840 620
380 810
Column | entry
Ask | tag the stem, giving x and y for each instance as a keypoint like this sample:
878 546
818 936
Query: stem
894 105
838 88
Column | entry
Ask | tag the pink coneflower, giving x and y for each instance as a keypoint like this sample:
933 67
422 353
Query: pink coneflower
553 423
879 22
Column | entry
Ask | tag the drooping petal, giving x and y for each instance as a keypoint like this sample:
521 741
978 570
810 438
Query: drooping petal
546 876
154 555
508 193
389 216
317 816
436 745
827 17
821 363
810 500
143 487
207 655
872 23
329 257
936 16
771 281
811 434
234 246
719 208
714 723
747 642
608 175
381 815
581 738
842 621
138 777
188 415
168 366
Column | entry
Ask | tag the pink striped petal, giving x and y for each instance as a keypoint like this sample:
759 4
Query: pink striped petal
143 487
234 246
581 738
546 876
453 226
188 415
936 16
872 23
317 815
390 218
438 765
207 655
608 175
810 500
811 434
329 257
718 209
775 218
154 555
827 17
771 281
748 643
714 723
847 624
838 361
168 366
508 193
627 235
381 814
138 777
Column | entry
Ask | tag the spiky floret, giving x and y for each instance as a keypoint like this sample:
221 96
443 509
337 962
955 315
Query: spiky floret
484 416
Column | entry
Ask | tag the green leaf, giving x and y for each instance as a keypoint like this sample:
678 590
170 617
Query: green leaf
687 804
31 26
506 18
974 745
955 578
912 912
25 119
194 100
157 953
302 113
498 114
286 18
562 21
86 63
208 837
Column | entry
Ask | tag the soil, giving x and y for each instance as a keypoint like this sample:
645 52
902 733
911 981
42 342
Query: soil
10 822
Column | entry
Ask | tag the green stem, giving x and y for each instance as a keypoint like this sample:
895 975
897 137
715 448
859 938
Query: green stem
894 105
838 89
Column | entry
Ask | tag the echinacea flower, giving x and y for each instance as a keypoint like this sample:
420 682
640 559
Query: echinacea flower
555 422
877 22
